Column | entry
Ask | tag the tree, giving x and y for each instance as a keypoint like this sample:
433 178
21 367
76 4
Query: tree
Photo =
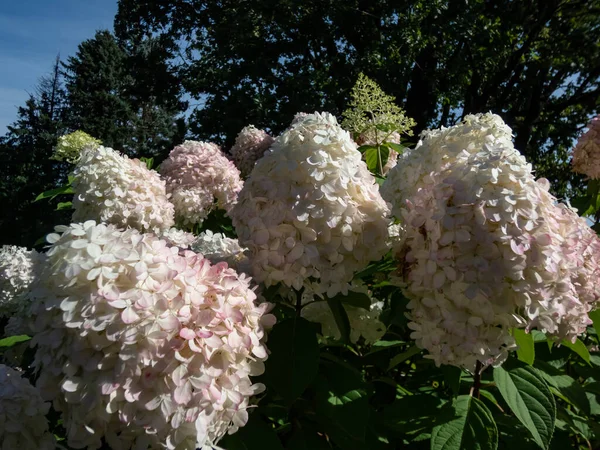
124 95
27 169
535 62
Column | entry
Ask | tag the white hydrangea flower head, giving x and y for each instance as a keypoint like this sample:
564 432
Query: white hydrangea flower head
483 247
250 144
179 238
311 213
586 154
144 345
110 187
23 423
200 178
69 147
17 269
217 248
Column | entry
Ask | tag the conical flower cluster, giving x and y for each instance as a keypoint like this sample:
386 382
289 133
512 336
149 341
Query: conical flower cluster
586 154
485 247
111 188
250 144
200 178
311 213
142 345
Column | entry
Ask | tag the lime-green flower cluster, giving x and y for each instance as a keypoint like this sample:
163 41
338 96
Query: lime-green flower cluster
69 146
373 113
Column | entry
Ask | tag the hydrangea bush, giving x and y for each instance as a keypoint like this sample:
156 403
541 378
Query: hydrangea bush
334 300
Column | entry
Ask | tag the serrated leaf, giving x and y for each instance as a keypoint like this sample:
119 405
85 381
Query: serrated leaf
412 351
530 399
565 386
13 340
579 348
472 428
526 345
294 360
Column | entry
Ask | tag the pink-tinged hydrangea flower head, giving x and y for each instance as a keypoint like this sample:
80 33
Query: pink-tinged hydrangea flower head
110 187
586 154
249 146
17 269
311 213
483 247
200 178
23 423
144 345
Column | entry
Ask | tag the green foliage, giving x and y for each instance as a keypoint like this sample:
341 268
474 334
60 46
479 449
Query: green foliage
534 62
530 399
371 111
13 340
525 343
471 428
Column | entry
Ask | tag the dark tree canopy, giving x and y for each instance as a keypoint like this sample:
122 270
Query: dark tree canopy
534 62
125 94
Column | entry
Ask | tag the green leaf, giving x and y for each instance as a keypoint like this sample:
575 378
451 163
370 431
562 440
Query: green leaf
256 434
13 340
412 414
526 347
412 351
579 348
564 386
376 157
396 147
452 376
66 189
528 396
472 428
342 404
357 299
294 360
64 205
364 148
341 318
595 317
148 161
306 438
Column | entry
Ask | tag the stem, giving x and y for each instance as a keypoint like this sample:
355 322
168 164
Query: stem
299 302
476 380
379 160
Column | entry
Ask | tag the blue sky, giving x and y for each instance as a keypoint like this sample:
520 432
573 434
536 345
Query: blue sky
32 33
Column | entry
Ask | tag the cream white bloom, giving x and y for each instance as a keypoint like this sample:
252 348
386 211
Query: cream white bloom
110 187
484 247
217 247
250 144
200 178
144 345
310 213
23 423
178 238
586 154
17 269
